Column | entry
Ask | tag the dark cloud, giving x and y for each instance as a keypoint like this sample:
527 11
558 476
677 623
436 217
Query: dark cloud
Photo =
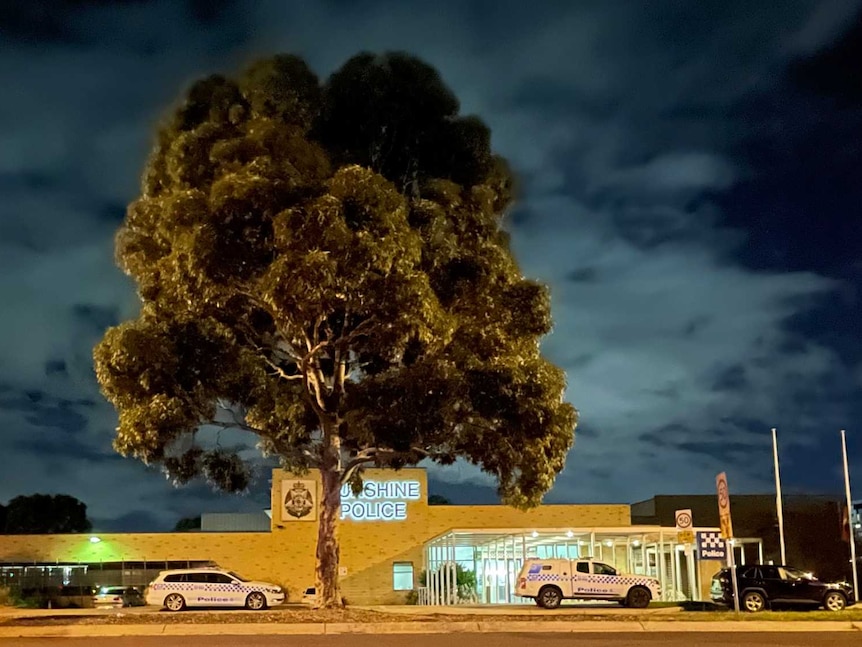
583 275
42 410
112 213
458 494
25 181
834 70
133 521
587 431
56 367
688 188
62 449
730 378
98 318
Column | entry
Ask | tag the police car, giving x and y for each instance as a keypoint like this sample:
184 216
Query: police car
550 581
210 587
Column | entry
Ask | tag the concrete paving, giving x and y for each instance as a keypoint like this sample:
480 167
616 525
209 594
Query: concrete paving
454 611
476 640
649 621
524 610
418 628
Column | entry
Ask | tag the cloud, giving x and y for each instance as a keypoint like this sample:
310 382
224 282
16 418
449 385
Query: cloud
624 123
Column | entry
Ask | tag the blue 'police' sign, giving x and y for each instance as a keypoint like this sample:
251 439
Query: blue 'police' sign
710 545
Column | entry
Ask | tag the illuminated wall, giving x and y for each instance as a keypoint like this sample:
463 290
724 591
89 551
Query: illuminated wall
389 522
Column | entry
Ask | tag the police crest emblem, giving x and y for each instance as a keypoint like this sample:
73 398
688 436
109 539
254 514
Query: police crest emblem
299 500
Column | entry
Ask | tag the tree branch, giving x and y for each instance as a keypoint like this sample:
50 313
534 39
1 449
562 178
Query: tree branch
359 331
290 450
277 370
284 346
370 455
235 425
311 368
312 390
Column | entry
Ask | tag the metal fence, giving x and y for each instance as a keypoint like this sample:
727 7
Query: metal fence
22 577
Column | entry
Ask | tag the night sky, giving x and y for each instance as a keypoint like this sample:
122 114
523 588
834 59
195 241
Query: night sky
691 177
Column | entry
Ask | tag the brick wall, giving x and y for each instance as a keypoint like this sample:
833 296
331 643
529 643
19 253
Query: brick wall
286 555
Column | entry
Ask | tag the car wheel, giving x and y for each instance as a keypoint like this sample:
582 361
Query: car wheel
550 597
638 598
175 602
753 601
834 601
255 601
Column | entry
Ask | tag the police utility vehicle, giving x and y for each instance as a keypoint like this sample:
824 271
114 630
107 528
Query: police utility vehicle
550 581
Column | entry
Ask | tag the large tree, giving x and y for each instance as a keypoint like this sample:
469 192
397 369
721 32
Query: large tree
325 266
46 514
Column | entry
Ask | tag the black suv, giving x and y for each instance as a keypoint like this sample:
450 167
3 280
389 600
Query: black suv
760 586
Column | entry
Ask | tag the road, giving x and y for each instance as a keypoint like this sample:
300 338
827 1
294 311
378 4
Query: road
474 640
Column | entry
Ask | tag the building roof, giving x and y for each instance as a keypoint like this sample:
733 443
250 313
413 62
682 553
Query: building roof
236 522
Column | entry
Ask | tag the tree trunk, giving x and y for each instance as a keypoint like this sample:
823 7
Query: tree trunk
326 568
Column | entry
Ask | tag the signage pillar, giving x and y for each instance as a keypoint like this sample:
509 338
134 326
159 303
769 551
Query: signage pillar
727 532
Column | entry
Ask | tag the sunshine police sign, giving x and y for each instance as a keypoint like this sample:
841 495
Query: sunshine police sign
379 500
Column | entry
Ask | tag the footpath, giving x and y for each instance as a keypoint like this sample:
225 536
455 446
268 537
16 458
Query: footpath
480 621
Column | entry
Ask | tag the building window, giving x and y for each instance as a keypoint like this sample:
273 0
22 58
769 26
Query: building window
402 576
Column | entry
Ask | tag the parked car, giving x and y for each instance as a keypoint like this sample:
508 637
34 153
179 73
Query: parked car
211 587
550 581
118 596
309 596
59 597
761 586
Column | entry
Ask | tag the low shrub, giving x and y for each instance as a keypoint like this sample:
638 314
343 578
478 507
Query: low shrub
7 598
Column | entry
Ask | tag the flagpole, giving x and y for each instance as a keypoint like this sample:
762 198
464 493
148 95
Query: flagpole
849 521
778 507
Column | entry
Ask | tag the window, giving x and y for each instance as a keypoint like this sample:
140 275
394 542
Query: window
219 578
176 577
770 573
199 578
603 569
402 576
583 567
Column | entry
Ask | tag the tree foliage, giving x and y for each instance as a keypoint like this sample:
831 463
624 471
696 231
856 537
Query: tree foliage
324 265
188 524
45 514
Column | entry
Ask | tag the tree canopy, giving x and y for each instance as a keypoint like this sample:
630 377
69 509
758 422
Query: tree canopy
188 524
46 514
325 265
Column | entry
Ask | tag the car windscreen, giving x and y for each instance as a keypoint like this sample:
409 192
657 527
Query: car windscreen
796 574
237 577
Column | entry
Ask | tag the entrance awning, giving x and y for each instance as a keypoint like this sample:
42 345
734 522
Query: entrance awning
479 565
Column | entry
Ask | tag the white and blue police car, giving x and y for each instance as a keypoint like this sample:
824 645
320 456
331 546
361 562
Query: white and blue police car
210 587
550 581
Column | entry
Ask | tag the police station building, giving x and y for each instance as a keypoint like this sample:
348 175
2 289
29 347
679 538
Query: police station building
394 546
